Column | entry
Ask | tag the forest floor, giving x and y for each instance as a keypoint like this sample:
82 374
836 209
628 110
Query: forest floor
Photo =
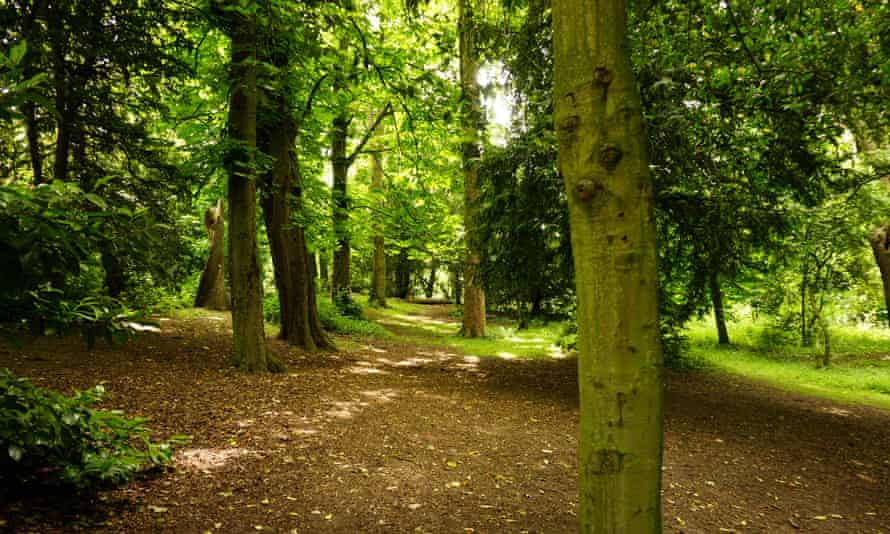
391 436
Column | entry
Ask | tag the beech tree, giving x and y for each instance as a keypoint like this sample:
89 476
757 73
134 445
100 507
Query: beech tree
602 157
247 311
474 296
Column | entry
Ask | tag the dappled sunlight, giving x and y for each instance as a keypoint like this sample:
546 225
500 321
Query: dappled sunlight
139 327
366 370
344 409
506 356
381 395
374 349
208 459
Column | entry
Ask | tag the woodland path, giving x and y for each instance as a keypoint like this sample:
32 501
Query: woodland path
387 436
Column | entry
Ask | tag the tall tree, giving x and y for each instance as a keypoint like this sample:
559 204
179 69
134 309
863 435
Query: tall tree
602 156
247 312
377 296
474 296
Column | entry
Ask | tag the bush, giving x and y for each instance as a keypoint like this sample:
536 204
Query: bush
334 320
94 317
46 437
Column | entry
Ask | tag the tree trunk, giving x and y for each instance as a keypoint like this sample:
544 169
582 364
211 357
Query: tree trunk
29 108
212 287
340 285
377 296
602 157
247 312
474 297
61 85
719 315
401 275
115 279
880 245
430 285
287 242
804 328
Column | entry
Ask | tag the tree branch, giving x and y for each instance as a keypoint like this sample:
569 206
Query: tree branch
387 110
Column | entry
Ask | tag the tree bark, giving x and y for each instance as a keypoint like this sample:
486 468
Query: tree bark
29 108
377 295
719 314
247 314
474 297
340 285
430 283
212 287
287 242
115 278
880 245
602 157
61 83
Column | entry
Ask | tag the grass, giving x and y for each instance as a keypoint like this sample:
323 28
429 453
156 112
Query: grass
859 372
502 340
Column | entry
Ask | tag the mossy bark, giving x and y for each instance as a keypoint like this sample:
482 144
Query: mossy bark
340 284
880 245
377 295
602 157
247 313
281 192
474 296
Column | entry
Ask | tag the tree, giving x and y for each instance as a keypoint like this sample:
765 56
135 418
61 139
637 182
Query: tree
247 312
377 296
602 157
474 296
212 286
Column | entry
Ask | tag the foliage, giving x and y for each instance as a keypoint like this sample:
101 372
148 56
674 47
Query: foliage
334 320
859 372
94 317
47 437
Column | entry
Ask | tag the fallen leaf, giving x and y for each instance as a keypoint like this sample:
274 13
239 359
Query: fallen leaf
157 509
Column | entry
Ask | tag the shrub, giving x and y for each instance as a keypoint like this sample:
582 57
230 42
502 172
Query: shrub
94 316
46 437
332 319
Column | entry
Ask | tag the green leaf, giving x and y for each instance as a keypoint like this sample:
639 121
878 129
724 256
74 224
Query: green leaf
15 452
97 200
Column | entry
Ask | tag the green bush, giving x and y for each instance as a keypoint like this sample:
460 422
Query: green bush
94 317
332 319
46 437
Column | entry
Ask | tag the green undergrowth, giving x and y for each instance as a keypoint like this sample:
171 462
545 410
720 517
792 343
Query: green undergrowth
503 339
859 372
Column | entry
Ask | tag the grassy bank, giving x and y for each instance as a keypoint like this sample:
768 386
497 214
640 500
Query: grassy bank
859 372
503 339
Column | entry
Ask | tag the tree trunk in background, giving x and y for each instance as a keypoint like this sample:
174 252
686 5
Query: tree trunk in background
804 328
377 296
474 297
247 312
115 279
340 285
456 283
880 245
430 283
602 157
63 106
212 287
719 314
29 108
287 241
401 275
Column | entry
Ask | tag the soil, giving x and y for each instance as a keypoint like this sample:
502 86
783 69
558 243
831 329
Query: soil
385 436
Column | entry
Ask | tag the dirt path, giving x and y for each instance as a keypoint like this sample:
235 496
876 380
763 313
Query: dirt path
389 437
